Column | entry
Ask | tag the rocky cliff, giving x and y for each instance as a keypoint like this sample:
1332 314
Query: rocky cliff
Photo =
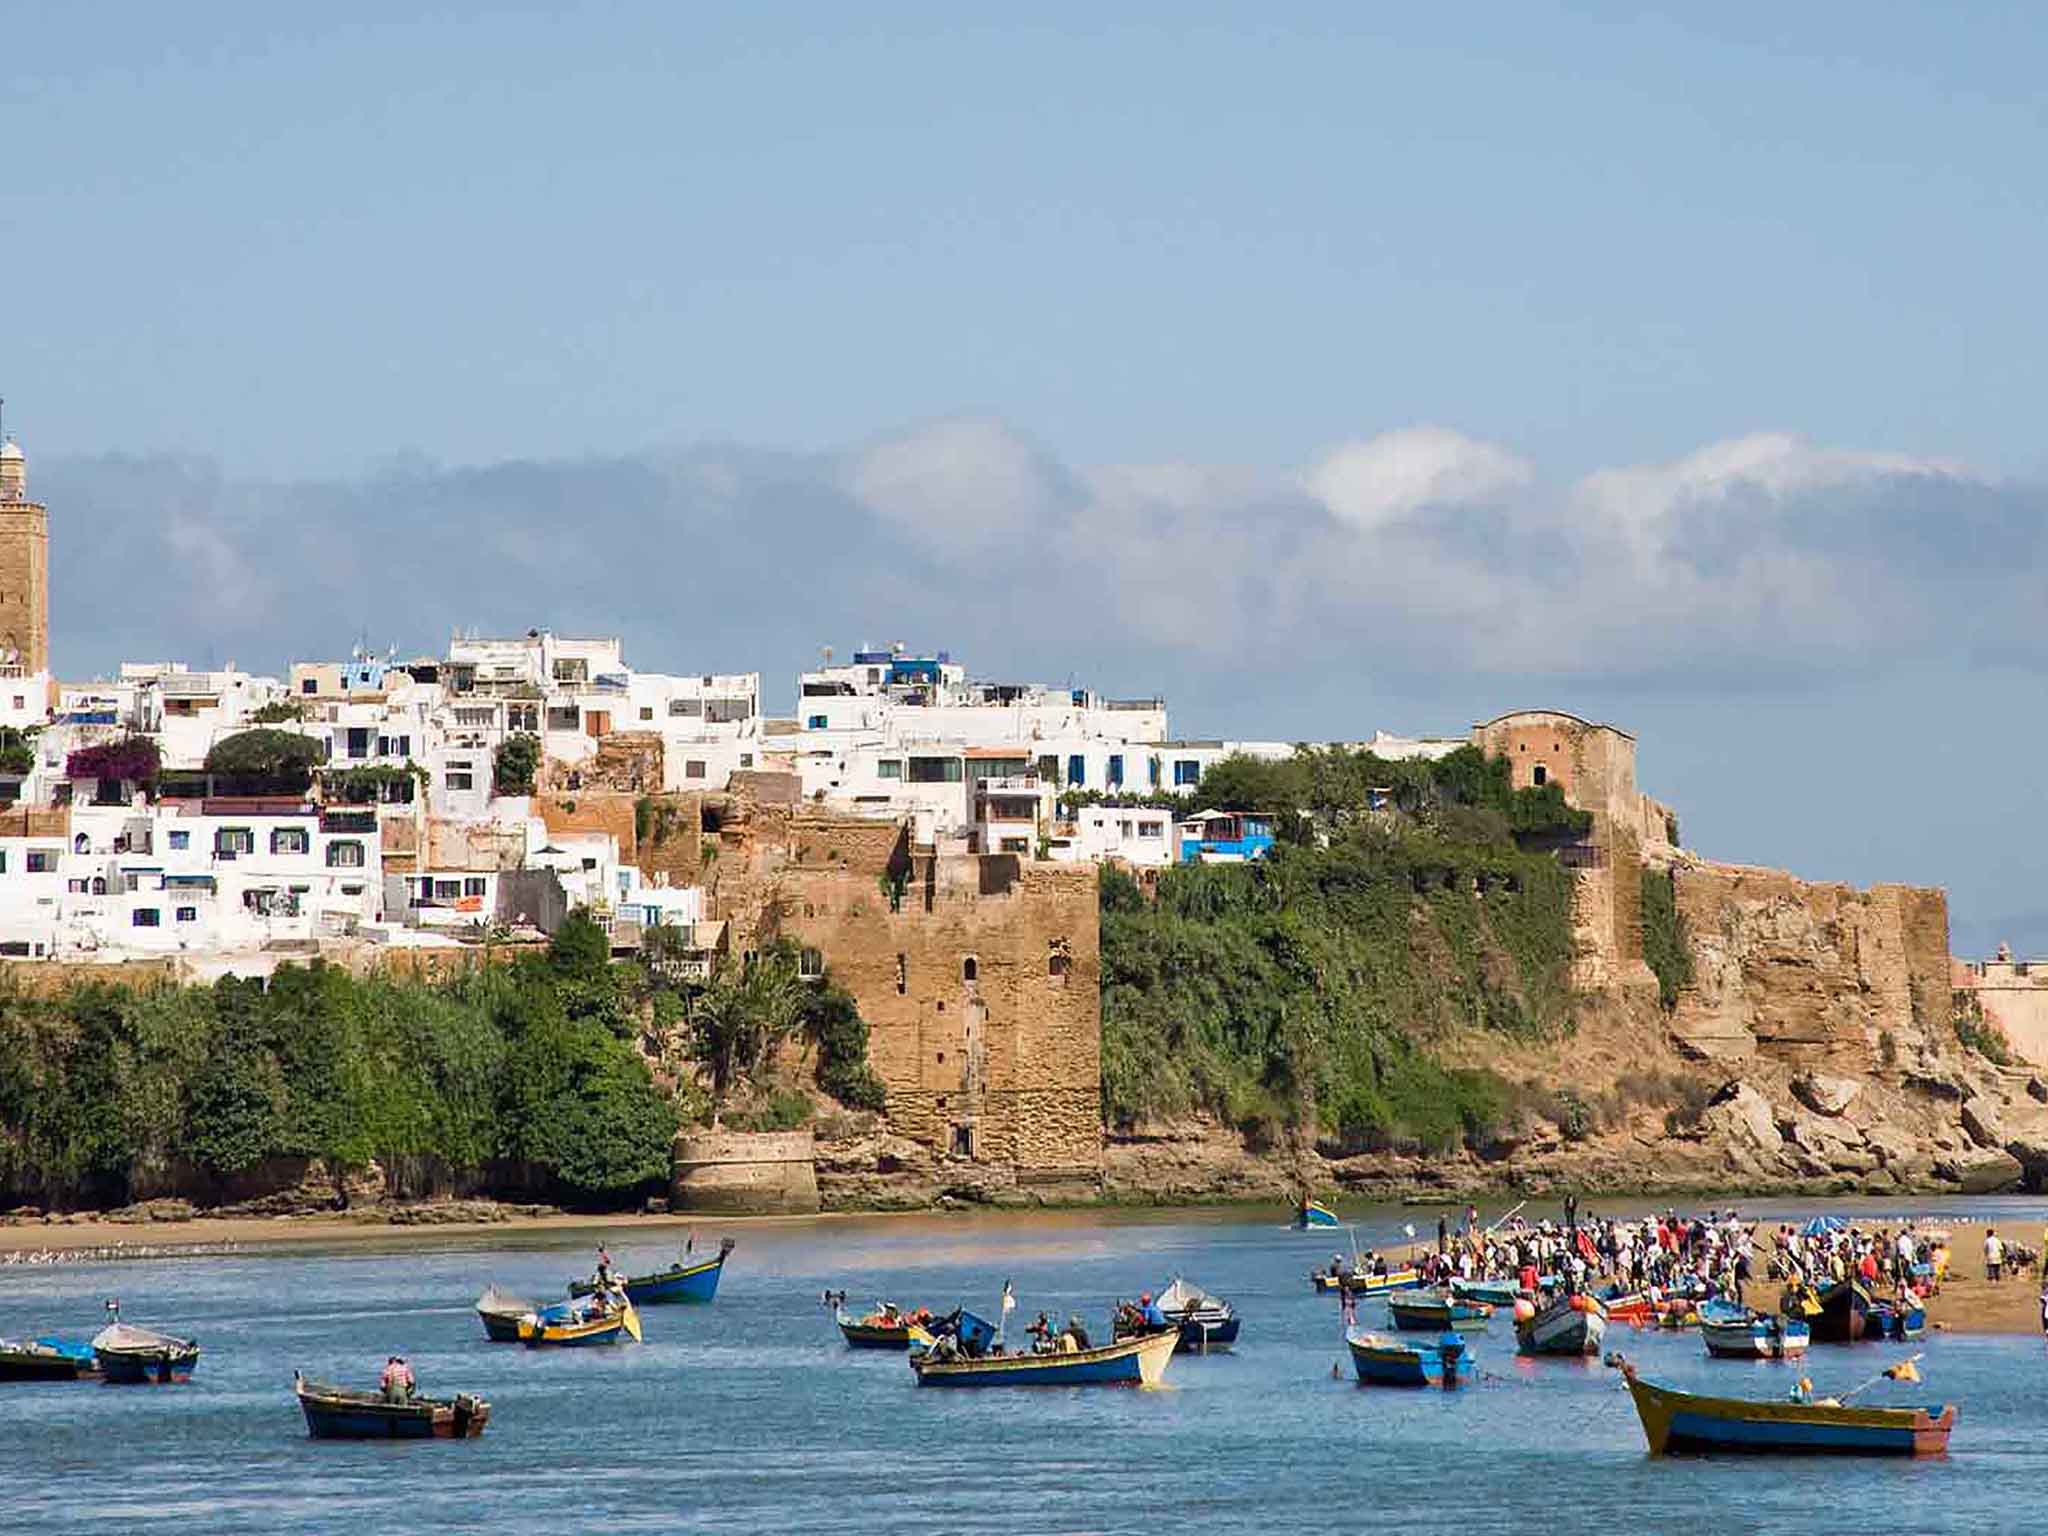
1813 1049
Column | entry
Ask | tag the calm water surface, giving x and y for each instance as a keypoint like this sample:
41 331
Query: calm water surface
751 1415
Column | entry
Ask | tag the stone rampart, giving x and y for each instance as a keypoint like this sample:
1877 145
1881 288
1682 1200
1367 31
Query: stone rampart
751 1173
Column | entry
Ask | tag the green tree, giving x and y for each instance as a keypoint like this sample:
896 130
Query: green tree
267 759
515 764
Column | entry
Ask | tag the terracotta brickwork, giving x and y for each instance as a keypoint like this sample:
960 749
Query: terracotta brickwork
981 986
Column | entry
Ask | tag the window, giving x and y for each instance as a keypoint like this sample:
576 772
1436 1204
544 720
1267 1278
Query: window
181 840
1152 829
289 840
229 842
146 917
810 965
359 740
1015 845
646 711
902 973
1152 771
814 722
309 685
1539 773
1077 770
447 890
347 855
1115 776
935 770
746 759
694 768
1049 768
963 1141
99 885
1186 770
686 707
523 717
81 844
889 768
188 914
473 885
1059 960
458 780
41 861
970 969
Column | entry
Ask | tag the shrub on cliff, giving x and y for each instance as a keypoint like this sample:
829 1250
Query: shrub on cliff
514 765
1667 944
1317 979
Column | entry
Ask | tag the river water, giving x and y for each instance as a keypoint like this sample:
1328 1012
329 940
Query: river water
751 1415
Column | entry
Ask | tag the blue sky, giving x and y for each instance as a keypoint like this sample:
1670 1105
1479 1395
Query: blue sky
1368 366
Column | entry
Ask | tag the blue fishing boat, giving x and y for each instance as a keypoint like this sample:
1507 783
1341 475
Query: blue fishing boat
47 1359
1495 1293
1138 1362
1383 1361
687 1280
501 1314
574 1324
1424 1312
342 1413
1733 1332
1675 1422
1891 1320
1313 1213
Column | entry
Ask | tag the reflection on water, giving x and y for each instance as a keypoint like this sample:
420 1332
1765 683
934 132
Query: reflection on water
751 1414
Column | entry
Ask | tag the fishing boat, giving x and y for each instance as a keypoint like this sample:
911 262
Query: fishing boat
1732 1332
1678 1422
1313 1213
575 1326
47 1359
686 1280
1837 1314
342 1413
1891 1320
1205 1322
1421 1312
1384 1361
1571 1325
883 1328
1134 1362
501 1313
1495 1293
1361 1284
128 1354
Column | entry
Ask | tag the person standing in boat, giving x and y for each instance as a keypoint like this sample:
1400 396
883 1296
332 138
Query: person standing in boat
397 1380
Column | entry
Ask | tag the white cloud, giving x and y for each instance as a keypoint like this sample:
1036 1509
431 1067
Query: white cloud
959 482
1380 480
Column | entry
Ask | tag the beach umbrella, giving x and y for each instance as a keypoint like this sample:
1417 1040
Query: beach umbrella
1822 1226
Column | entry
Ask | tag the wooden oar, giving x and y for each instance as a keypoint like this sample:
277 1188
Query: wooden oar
1880 1376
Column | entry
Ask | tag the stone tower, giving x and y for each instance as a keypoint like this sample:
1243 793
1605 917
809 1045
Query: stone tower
24 568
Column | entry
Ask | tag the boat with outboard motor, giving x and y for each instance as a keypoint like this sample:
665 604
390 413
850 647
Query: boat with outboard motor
1381 1360
1311 1214
886 1326
967 1351
343 1413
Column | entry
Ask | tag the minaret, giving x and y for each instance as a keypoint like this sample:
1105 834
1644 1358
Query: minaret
24 569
